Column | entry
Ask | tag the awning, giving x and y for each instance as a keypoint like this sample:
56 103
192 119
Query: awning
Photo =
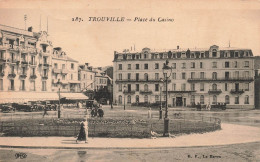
74 96
10 97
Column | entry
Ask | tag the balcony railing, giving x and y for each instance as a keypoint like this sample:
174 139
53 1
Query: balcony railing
23 76
139 80
12 75
221 79
33 76
33 63
146 92
237 91
129 92
24 62
45 77
64 71
180 91
215 91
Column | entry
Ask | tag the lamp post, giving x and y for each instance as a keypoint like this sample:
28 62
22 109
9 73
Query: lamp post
59 83
166 70
124 95
160 111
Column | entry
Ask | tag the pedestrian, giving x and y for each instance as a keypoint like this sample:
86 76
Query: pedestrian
83 133
149 113
100 112
45 111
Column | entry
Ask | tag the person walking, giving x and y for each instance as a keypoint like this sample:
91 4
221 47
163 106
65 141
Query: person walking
83 133
45 111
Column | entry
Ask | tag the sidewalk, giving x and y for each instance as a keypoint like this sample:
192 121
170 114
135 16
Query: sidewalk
230 134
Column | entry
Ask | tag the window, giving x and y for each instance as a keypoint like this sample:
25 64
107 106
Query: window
22 87
145 87
56 66
129 76
174 87
156 87
136 98
192 86
173 75
45 73
246 74
183 75
192 100
156 66
215 100
120 87
156 98
1 68
32 85
226 75
137 87
235 64
226 64
63 77
129 66
192 75
146 77
202 55
246 86
136 66
120 99
227 99
63 66
120 76
174 65
1 84
156 76
192 55
120 67
128 99
201 64
246 99
201 86
202 75
11 84
214 64
72 66
145 66
183 87
246 63
192 65
214 75
183 65
226 87
214 86
44 86
145 98
237 100
71 77
201 99
214 53
137 76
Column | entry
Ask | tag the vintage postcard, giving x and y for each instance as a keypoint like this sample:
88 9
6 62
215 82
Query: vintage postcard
134 80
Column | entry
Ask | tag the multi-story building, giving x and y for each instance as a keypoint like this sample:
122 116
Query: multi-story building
203 76
257 82
25 61
64 69
86 77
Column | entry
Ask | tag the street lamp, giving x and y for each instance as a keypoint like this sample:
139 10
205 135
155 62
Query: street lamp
59 83
160 111
166 69
124 95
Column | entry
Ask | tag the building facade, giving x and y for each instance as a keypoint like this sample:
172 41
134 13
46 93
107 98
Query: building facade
203 76
86 77
65 70
25 60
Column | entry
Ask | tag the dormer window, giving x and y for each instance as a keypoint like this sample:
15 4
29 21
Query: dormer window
202 55
214 53
192 55
236 54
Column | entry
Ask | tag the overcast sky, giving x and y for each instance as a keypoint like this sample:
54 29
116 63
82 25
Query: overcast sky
196 24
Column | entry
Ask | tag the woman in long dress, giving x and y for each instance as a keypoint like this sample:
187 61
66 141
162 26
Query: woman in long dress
83 133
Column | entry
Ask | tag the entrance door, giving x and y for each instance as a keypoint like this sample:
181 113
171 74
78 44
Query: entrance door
178 101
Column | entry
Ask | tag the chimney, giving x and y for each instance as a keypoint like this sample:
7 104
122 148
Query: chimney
178 47
30 29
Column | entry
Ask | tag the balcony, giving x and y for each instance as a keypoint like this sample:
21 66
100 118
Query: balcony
180 91
12 75
56 71
23 62
45 77
237 91
215 91
46 64
23 49
231 79
33 63
14 48
139 81
146 92
44 53
23 76
33 76
129 92
64 71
